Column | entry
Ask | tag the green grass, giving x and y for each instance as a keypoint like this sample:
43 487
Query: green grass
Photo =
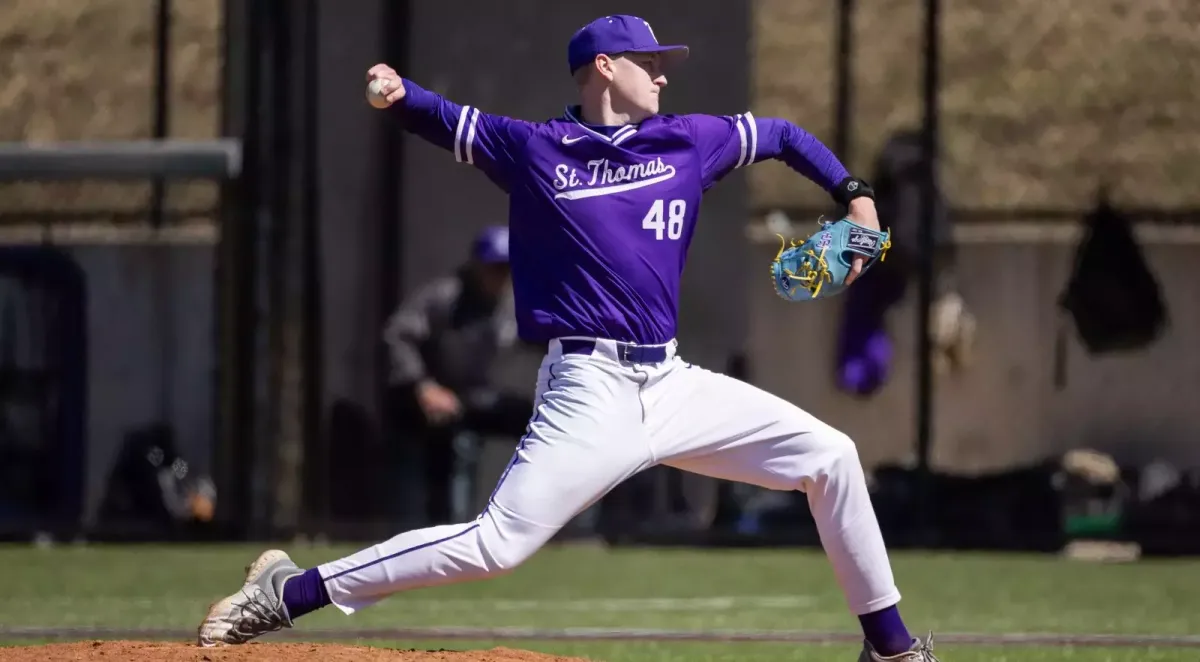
170 587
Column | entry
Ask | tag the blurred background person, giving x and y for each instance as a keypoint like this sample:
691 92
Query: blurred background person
446 342
866 350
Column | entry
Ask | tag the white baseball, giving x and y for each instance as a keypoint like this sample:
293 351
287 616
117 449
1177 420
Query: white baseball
377 93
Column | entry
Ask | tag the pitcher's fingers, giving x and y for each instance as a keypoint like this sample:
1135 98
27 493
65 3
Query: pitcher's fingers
378 71
855 270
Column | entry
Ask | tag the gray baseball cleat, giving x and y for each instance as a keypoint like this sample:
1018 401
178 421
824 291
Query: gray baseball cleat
254 610
921 651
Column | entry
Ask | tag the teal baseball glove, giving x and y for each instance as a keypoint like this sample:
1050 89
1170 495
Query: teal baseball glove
817 268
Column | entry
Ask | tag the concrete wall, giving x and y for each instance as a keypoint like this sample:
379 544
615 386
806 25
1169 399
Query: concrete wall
150 350
151 340
151 336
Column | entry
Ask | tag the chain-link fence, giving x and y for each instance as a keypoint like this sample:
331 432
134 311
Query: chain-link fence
88 71
1040 102
1045 101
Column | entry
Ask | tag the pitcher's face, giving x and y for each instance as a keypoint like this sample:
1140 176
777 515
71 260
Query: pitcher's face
637 81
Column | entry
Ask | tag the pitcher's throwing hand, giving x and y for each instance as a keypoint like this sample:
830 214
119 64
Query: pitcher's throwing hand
390 87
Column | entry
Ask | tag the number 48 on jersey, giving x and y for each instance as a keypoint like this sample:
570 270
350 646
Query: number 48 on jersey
675 212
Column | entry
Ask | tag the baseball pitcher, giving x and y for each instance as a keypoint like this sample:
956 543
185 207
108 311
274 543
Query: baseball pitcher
603 203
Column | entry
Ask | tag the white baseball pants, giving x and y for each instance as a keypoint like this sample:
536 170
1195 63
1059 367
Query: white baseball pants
598 421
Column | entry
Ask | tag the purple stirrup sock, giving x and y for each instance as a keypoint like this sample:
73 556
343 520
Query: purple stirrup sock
886 631
304 593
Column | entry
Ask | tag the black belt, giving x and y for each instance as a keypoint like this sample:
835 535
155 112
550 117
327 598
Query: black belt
628 352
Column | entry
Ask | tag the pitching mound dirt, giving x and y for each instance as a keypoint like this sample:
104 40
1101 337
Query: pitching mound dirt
138 651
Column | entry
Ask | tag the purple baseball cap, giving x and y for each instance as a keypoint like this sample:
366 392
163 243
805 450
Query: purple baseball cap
491 245
615 34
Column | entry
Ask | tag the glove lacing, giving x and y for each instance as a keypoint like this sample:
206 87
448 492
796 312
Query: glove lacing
813 273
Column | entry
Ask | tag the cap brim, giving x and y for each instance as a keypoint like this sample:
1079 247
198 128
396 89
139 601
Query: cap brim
672 55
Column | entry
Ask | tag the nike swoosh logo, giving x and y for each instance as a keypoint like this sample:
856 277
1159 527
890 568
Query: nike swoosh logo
568 140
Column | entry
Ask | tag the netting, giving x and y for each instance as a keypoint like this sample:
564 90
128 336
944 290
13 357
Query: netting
1041 101
85 71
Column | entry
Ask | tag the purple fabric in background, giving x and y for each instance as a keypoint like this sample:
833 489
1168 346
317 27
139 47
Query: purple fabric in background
865 352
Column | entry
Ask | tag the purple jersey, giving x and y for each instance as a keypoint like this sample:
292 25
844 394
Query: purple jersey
600 218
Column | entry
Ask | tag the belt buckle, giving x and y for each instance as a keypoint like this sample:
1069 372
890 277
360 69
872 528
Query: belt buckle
624 351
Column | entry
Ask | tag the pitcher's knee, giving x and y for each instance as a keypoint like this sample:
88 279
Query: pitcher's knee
839 457
842 453
832 457
838 444
505 543
501 558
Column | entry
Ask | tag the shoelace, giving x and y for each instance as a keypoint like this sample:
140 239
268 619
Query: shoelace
258 615
926 650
